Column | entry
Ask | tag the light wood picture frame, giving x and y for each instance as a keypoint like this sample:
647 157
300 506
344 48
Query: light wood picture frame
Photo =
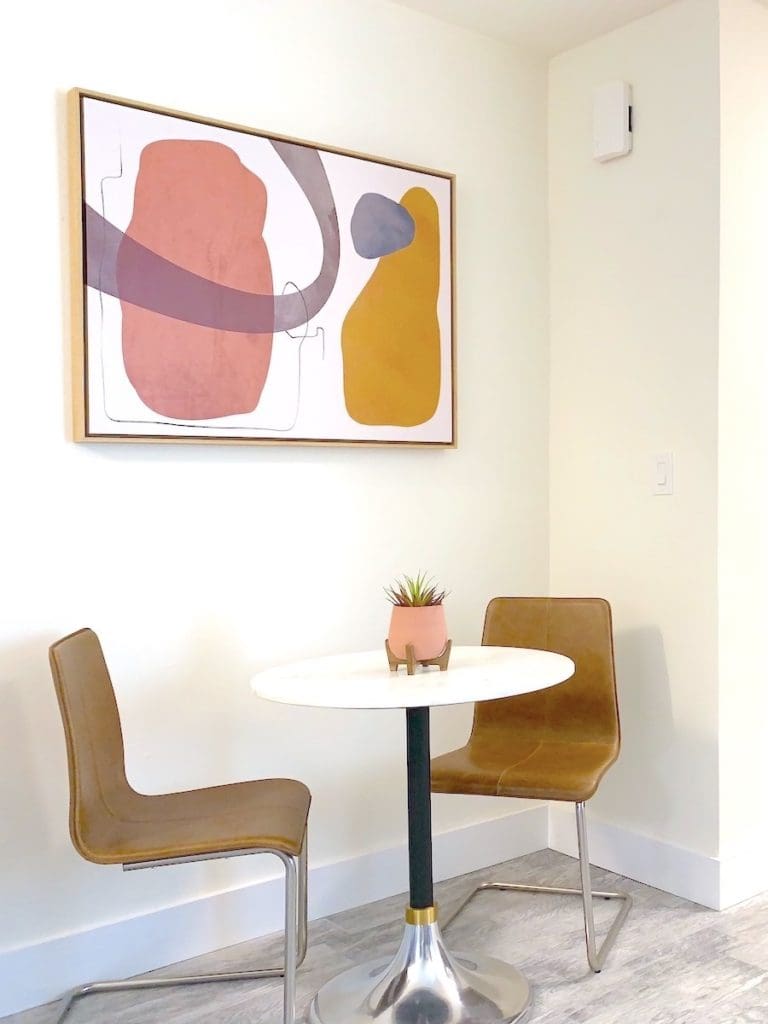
241 287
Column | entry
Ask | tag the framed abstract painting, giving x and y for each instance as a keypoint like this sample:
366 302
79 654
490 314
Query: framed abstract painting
236 286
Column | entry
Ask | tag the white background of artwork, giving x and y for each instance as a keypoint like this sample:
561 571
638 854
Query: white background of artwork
113 133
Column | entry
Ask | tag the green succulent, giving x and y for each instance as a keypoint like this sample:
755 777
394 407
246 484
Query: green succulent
415 592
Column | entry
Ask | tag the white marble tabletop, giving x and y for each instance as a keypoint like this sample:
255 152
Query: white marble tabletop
364 680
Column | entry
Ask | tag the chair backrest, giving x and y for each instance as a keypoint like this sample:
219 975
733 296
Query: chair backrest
585 707
97 782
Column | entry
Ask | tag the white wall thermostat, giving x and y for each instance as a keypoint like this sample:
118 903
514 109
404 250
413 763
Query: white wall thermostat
612 125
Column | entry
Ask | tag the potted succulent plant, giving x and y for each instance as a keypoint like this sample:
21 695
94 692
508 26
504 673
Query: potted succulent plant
418 617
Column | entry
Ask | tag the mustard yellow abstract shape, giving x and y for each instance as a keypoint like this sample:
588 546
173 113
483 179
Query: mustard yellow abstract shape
390 340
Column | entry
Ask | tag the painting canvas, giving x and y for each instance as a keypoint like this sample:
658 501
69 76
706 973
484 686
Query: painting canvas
240 286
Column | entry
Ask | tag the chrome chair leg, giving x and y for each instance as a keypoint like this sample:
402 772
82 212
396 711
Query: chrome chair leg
595 957
292 929
295 946
303 894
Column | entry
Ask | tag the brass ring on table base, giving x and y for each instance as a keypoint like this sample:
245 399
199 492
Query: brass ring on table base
421 915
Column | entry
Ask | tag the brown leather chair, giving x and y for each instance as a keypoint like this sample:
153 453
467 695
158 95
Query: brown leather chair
553 744
110 823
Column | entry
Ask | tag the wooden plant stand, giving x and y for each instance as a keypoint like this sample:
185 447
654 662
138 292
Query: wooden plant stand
410 660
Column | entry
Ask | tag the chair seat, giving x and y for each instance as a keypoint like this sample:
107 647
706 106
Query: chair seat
522 766
268 813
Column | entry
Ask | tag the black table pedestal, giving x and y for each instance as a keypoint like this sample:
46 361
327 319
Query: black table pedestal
424 984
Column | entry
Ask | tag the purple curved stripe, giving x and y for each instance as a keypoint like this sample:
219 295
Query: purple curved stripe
118 265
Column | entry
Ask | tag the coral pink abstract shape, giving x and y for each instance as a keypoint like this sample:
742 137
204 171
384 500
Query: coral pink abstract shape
197 205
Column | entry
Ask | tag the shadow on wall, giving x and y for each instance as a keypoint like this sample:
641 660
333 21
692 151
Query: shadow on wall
179 704
191 720
647 721
643 683
666 776
35 793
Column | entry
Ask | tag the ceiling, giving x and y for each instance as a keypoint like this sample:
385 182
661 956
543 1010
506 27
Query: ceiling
544 26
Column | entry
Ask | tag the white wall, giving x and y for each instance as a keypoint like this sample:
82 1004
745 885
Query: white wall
198 565
634 335
743 441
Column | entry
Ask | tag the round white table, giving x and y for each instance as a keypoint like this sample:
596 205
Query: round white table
424 984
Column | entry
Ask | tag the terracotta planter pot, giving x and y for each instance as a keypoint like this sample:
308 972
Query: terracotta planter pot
423 627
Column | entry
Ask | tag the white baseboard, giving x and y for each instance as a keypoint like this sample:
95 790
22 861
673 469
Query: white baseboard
35 974
682 872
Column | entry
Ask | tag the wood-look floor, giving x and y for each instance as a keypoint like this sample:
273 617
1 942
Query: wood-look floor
674 963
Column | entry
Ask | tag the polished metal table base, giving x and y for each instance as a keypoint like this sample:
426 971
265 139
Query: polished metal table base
424 984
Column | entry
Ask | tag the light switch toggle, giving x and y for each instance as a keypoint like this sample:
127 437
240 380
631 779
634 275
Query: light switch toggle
662 473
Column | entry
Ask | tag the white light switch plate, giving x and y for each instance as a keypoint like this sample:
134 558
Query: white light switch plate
663 473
